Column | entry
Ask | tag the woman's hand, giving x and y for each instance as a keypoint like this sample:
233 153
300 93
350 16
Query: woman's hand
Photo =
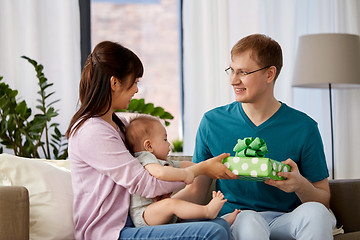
214 168
161 197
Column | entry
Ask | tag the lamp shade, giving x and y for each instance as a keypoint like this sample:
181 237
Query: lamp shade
324 59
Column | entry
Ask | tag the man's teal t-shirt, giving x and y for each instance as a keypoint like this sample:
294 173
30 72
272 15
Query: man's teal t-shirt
289 133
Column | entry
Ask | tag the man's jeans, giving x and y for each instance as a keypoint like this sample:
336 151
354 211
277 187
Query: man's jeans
309 221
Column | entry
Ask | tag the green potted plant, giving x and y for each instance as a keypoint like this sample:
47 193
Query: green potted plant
177 146
139 106
29 137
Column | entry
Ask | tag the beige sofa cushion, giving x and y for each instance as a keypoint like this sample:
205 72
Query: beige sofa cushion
50 194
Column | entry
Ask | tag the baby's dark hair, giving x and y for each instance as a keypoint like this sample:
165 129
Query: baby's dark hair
139 129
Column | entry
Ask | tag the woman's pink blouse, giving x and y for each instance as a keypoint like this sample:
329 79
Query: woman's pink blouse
104 174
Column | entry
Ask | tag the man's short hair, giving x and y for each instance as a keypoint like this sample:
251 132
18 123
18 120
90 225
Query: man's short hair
264 50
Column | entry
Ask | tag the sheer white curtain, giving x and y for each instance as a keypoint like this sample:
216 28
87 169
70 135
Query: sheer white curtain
48 32
284 21
206 45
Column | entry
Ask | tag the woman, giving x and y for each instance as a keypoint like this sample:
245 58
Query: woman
104 173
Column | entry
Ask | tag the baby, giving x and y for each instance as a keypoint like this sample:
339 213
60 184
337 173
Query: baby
146 137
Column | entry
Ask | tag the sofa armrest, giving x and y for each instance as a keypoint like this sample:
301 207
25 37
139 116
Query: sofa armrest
344 202
14 209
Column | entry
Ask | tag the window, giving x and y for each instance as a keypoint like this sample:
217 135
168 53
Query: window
150 28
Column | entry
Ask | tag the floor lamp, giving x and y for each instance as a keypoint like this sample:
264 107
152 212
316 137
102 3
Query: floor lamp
328 61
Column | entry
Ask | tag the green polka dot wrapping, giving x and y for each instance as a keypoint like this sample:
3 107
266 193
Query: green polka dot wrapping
250 164
255 169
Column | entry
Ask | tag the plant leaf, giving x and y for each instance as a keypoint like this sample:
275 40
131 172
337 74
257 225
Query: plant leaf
149 108
158 111
167 115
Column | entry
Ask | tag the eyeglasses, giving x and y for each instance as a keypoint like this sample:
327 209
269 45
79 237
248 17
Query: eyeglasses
231 71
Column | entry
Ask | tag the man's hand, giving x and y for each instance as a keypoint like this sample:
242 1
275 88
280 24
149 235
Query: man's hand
305 190
293 179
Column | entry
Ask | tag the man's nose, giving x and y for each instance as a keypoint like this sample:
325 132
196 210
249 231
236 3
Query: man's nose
235 79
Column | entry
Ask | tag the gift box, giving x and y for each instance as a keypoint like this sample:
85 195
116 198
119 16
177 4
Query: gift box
251 164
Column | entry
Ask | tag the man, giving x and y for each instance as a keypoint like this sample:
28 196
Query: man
295 208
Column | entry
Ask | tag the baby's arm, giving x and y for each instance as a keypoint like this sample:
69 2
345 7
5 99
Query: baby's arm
185 164
169 173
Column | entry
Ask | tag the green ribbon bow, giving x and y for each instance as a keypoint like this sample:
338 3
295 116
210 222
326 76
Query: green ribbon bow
250 147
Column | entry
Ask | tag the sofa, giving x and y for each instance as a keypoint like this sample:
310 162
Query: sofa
36 200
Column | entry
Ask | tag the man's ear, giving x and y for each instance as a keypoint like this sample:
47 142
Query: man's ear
147 145
113 83
271 73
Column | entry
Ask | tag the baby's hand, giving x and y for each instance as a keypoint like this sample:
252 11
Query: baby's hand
189 176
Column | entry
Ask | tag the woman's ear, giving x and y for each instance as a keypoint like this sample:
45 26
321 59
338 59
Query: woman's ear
147 145
113 83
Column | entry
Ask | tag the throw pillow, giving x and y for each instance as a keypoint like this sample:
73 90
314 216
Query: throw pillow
50 194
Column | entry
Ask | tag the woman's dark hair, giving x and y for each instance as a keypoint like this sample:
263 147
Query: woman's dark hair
107 59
